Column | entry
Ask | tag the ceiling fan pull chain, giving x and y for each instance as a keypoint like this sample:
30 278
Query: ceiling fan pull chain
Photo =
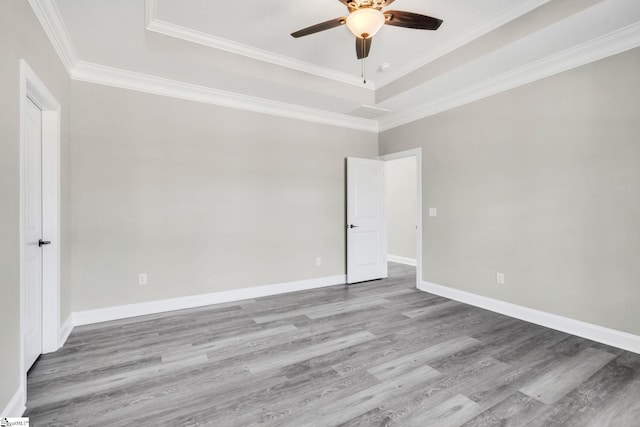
364 68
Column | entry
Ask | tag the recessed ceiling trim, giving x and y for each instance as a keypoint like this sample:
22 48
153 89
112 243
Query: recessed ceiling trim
516 10
47 13
150 11
114 77
51 21
601 47
172 30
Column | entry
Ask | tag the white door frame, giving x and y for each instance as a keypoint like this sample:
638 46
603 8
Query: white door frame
417 153
32 88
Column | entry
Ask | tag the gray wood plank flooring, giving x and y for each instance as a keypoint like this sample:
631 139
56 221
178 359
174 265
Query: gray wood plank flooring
372 354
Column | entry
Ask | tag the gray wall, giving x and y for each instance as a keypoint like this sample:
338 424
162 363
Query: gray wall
541 183
400 180
22 37
199 197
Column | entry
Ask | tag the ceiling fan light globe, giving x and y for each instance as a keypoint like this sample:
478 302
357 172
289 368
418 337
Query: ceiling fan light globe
365 23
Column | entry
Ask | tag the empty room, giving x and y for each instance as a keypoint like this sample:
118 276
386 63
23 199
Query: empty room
320 213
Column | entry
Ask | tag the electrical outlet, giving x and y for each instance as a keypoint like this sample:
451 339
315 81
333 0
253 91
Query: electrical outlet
142 279
318 261
500 278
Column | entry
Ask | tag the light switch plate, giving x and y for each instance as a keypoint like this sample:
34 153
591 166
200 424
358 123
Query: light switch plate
433 212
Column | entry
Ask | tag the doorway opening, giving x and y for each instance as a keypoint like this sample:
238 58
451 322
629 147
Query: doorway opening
403 201
39 220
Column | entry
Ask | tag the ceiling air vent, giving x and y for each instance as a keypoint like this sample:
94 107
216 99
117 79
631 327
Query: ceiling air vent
369 112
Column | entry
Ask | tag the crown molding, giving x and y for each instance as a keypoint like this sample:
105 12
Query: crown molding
514 11
172 30
49 17
613 43
150 11
47 13
51 21
108 76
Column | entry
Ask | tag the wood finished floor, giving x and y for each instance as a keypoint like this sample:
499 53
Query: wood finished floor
372 354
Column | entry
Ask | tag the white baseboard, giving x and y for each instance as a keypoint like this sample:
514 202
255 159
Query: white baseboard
16 406
401 260
153 307
589 331
65 330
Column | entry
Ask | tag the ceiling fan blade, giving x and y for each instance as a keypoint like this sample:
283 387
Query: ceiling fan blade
320 27
363 46
416 21
388 2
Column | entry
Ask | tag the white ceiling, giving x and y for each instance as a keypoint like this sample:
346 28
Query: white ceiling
244 51
267 25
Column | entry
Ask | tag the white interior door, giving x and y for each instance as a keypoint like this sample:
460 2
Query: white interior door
366 221
32 229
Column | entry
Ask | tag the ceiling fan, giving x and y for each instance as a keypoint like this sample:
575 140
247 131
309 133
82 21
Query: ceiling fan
366 18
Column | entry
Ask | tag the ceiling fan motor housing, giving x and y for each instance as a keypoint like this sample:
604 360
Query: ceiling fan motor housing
361 4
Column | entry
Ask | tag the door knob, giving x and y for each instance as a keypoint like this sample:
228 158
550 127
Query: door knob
43 242
353 226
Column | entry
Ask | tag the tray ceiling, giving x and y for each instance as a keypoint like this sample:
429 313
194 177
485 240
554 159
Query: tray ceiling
243 51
